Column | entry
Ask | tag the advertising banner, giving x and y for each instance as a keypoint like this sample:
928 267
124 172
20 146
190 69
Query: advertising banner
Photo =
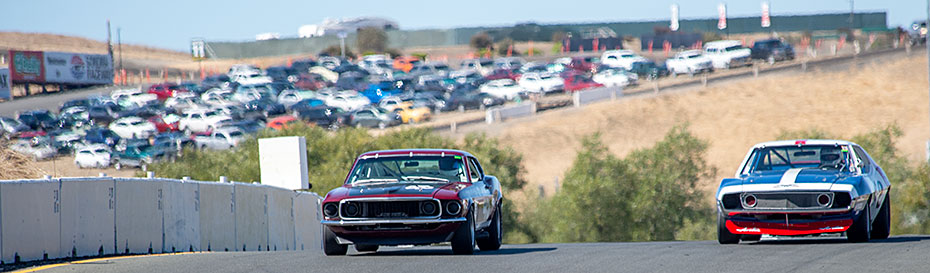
5 84
77 68
674 22
26 66
722 16
766 19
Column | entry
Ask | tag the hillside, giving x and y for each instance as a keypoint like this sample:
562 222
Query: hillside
734 116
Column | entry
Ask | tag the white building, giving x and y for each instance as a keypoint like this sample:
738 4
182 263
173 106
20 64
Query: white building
348 25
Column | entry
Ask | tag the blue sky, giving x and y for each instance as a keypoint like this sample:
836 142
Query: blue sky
172 23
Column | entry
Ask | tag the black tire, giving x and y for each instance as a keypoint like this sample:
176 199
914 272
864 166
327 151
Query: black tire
751 237
881 228
331 247
366 248
495 233
860 230
463 241
723 234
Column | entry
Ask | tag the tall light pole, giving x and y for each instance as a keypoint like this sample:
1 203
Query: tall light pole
342 43
927 42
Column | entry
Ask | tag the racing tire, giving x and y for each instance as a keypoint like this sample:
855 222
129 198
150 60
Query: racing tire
495 234
723 234
331 246
861 228
366 248
463 241
881 228
754 238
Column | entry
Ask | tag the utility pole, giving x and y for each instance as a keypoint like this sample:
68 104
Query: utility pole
927 42
342 43
119 41
852 4
109 44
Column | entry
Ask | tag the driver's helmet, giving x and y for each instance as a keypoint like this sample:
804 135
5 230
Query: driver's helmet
450 167
831 157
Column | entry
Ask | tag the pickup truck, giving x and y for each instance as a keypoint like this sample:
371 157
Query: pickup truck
772 50
727 54
220 139
688 62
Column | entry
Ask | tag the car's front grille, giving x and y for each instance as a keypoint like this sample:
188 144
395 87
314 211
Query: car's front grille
787 201
389 209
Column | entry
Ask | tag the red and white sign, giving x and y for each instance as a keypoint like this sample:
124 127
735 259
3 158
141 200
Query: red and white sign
766 20
77 68
26 66
722 12
674 22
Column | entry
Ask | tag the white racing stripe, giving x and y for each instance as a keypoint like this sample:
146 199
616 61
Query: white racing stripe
790 176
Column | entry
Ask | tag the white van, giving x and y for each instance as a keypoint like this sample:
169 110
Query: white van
727 54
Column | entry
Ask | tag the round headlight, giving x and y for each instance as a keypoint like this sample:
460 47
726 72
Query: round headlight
453 208
823 199
330 209
428 208
352 210
749 200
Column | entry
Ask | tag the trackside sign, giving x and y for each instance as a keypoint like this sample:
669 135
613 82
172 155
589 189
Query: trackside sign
5 84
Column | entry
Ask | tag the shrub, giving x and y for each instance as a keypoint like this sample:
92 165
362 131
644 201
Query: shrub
336 50
371 39
481 41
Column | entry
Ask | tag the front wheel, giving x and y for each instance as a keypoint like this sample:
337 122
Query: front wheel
723 234
882 226
331 246
861 229
495 234
463 241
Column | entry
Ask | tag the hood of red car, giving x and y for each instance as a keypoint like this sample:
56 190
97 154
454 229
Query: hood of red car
434 190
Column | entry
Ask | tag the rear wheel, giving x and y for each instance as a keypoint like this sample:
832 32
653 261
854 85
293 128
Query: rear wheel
331 247
860 231
495 234
882 226
463 241
366 248
723 234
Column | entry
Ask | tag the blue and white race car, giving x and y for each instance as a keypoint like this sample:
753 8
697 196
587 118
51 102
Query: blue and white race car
804 187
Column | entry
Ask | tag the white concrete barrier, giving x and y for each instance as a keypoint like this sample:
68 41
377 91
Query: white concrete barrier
595 95
87 216
29 220
500 113
139 215
280 219
251 217
182 216
307 221
217 217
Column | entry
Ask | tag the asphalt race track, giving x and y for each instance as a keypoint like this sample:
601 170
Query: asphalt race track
896 254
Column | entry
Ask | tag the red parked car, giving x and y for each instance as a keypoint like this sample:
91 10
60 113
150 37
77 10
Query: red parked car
414 197
164 90
575 81
164 126
503 73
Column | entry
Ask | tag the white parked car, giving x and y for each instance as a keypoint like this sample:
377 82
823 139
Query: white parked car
689 62
201 120
615 77
133 127
251 79
220 139
133 97
40 148
504 88
541 82
728 53
347 101
93 156
218 96
290 97
243 69
620 58
482 66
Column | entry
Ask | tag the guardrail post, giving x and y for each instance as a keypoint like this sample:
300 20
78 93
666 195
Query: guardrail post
704 79
452 127
755 71
655 89
576 99
804 66
102 174
223 179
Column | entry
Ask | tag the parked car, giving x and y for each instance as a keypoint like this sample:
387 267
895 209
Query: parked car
772 50
201 120
649 70
9 128
132 97
405 63
246 126
347 101
575 82
133 127
805 187
311 81
727 54
620 58
508 63
373 117
464 100
39 147
164 91
93 156
323 116
219 139
689 62
281 123
99 135
482 66
138 155
504 73
38 119
432 196
541 82
504 88
581 64
615 77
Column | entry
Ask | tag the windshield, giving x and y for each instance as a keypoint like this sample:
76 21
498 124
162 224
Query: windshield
781 158
733 48
400 169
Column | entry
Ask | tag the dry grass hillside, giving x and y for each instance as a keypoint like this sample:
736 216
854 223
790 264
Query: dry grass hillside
734 116
54 42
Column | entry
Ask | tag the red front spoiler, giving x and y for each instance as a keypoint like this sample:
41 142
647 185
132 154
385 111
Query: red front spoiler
758 228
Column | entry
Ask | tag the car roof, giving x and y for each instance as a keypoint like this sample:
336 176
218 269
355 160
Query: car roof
722 43
803 142
415 151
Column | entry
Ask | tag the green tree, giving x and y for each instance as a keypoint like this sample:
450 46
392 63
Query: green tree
371 39
481 41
